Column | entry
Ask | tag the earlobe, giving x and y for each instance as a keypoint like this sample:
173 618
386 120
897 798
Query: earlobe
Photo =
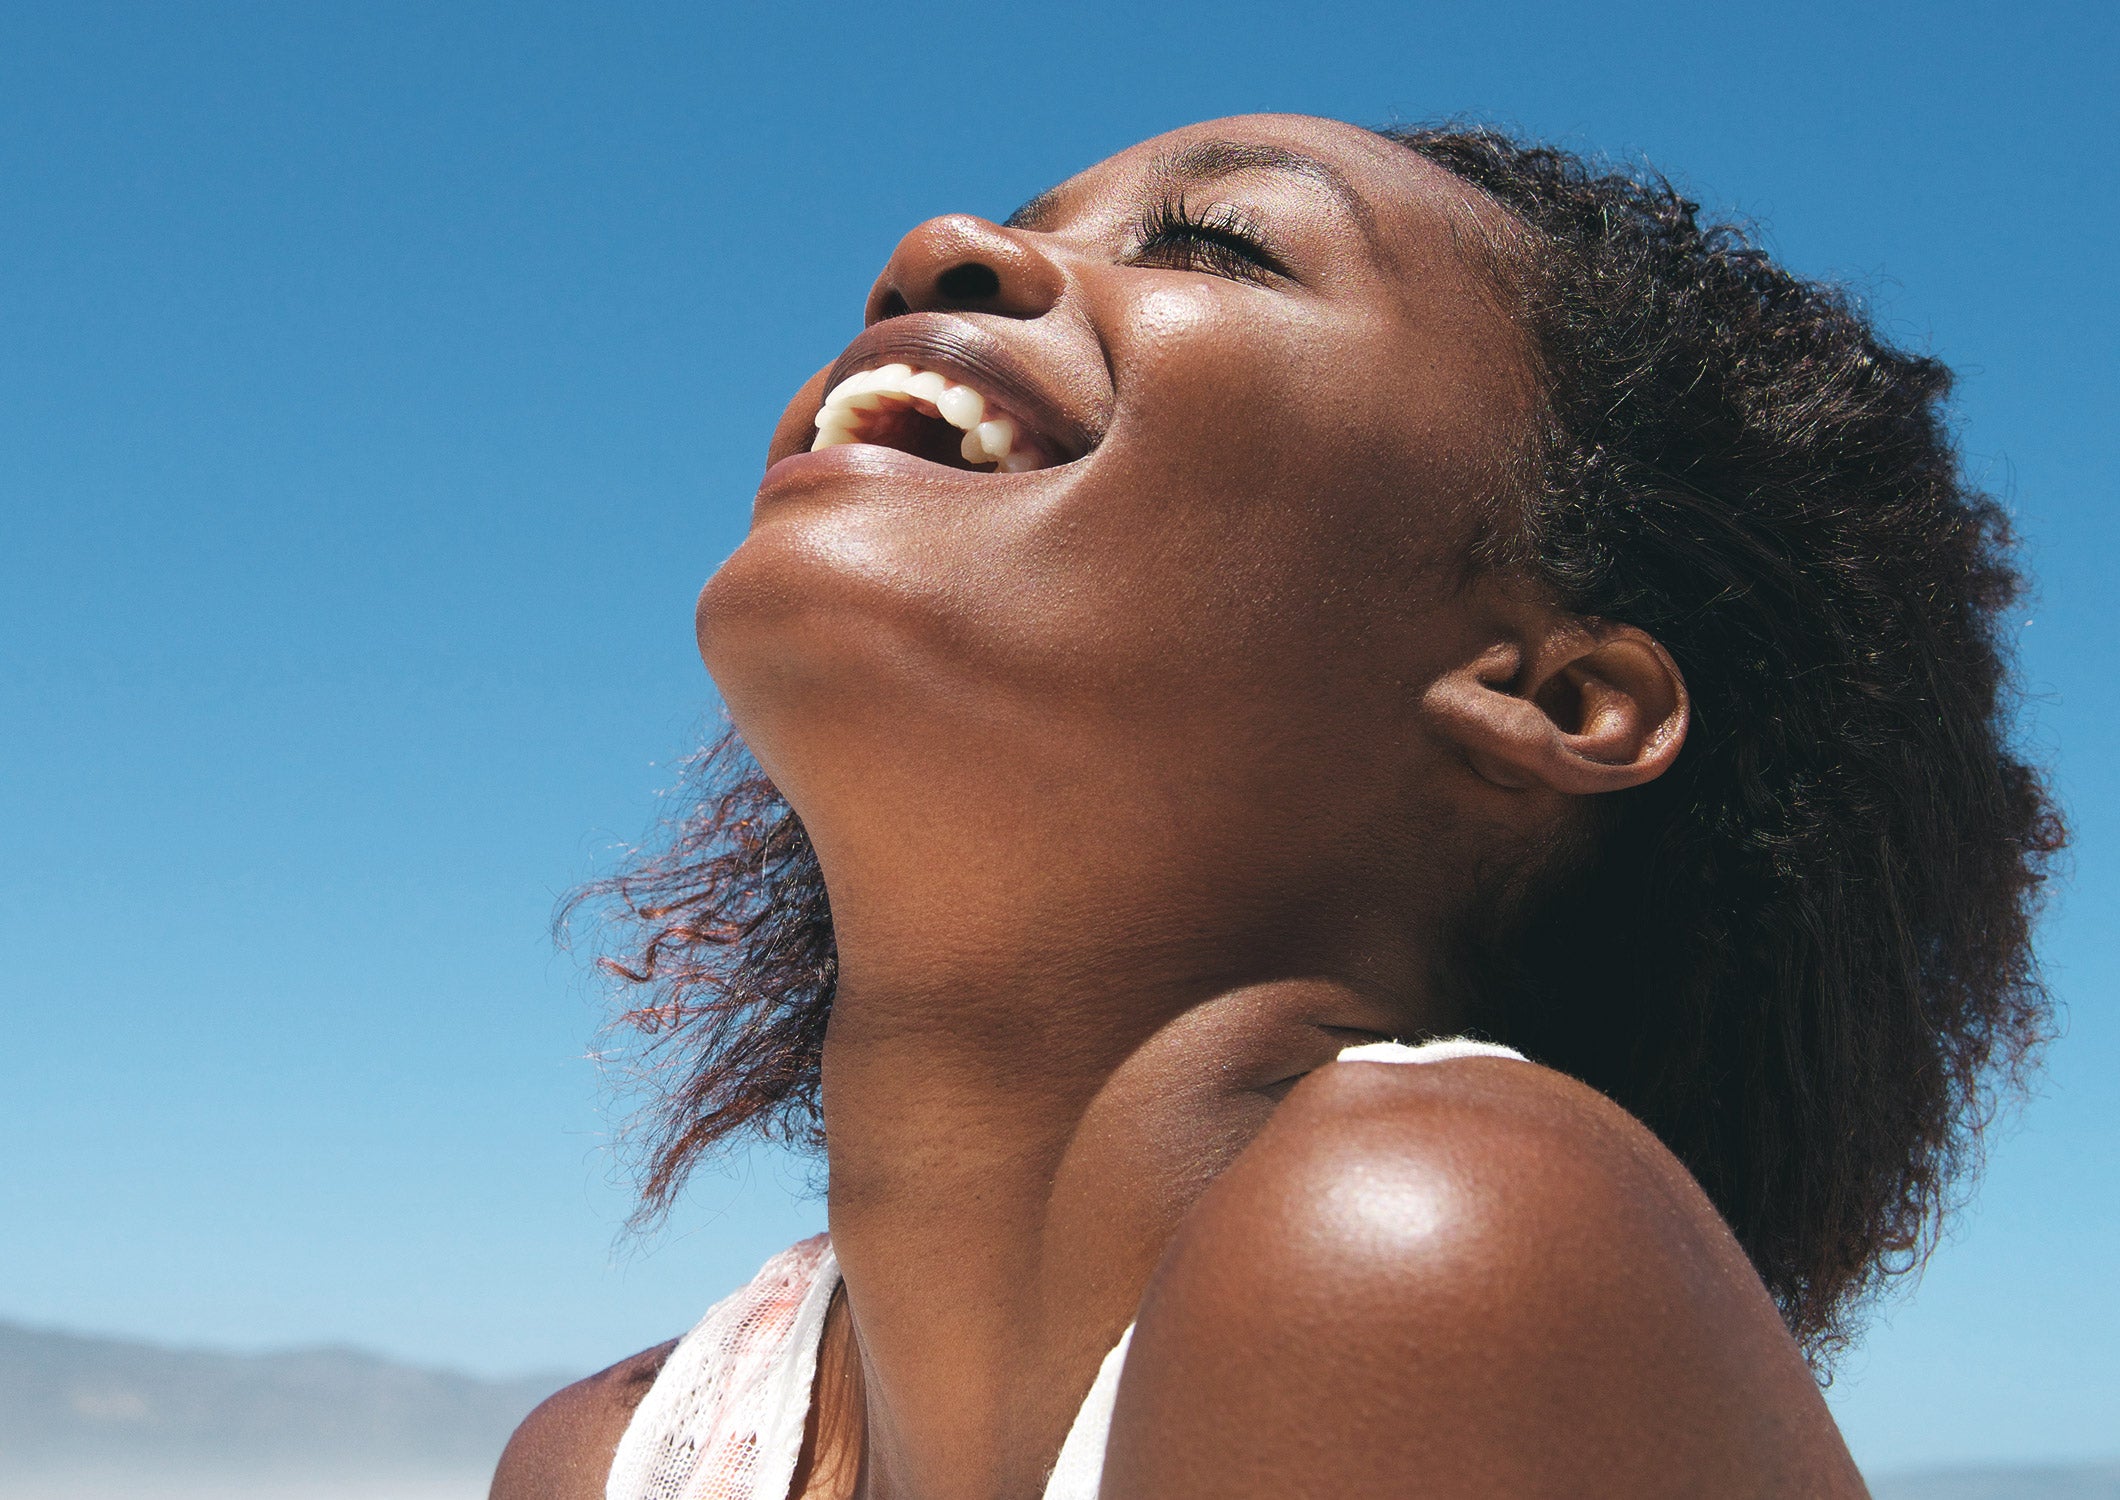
1591 707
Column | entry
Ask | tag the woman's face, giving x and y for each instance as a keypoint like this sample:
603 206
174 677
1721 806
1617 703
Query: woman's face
1258 391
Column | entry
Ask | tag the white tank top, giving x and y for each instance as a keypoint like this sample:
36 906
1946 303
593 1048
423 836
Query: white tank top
724 1418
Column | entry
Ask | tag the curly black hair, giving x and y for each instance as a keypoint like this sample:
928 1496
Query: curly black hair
1803 956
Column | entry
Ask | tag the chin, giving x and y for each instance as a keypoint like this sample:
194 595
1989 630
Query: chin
846 676
793 656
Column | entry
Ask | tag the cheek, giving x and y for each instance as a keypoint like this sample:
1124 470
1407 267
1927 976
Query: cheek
1169 316
1329 419
1281 484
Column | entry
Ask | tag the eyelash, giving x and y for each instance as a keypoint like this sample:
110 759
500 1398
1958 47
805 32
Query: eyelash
1224 241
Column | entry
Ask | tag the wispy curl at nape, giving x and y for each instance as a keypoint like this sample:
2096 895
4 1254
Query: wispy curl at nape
718 933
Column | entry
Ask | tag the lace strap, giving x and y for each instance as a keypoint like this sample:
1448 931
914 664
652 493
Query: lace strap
724 1418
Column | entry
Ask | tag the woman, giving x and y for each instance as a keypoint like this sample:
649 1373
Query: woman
1291 594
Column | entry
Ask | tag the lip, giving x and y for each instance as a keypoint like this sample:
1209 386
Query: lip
962 350
868 461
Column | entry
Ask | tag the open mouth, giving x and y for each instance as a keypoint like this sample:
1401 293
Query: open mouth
929 416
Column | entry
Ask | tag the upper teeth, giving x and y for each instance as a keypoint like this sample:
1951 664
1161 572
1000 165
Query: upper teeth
985 442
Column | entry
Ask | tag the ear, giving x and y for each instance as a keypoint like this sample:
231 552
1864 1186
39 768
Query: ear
1588 707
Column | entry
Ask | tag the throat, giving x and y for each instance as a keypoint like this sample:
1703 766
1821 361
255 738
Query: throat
998 1210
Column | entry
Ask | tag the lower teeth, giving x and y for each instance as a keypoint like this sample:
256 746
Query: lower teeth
991 442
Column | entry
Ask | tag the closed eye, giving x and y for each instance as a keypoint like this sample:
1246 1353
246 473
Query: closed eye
1222 241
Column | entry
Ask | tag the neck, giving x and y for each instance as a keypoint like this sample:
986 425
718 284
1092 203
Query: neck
1011 1149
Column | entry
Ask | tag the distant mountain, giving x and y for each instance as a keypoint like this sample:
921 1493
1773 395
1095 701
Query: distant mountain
89 1418
2030 1482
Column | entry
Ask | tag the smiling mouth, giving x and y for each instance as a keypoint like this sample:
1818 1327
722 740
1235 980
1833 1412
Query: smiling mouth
929 416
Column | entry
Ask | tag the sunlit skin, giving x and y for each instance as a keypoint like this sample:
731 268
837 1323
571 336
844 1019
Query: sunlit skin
1144 782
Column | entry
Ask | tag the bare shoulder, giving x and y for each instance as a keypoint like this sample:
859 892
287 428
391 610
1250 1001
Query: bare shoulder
1476 1277
563 1449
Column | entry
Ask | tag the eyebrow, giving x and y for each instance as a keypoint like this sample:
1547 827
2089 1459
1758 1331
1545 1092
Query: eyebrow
1036 213
1210 161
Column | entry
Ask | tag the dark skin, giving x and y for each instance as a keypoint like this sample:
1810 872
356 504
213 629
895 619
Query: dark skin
1143 783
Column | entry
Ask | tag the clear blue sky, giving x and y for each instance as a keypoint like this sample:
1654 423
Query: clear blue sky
378 382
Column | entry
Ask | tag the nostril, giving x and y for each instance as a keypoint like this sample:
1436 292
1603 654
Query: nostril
970 282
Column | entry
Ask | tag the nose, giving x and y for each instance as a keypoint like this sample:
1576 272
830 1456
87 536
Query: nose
959 263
